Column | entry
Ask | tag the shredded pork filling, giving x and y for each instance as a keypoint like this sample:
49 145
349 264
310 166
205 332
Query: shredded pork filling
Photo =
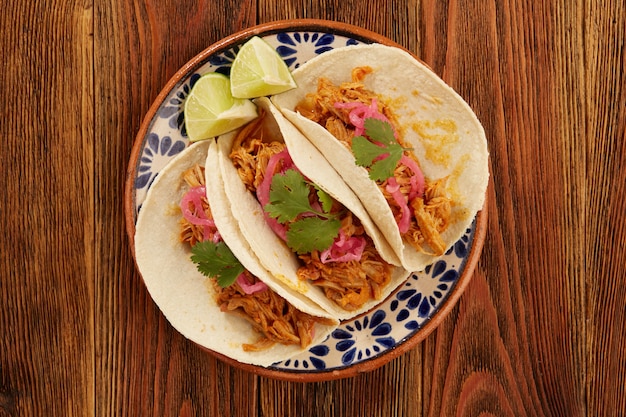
430 213
349 284
274 318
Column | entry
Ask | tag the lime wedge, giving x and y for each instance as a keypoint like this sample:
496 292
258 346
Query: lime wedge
259 71
211 110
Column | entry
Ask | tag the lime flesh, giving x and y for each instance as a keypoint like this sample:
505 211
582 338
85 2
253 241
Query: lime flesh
258 70
211 110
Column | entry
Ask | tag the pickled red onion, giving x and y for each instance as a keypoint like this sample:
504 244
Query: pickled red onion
263 190
344 249
198 217
359 112
250 288
394 189
417 179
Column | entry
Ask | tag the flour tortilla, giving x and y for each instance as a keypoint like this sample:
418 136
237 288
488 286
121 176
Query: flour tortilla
184 295
446 137
273 253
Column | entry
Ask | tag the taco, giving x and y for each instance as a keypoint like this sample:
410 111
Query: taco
306 225
404 141
241 311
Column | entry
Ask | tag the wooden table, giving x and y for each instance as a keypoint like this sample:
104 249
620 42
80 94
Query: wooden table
539 330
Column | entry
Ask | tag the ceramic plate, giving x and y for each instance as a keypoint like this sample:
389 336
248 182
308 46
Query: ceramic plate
372 339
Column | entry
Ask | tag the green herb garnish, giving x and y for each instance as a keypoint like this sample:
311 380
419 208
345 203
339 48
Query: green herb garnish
325 199
379 151
289 199
289 196
215 260
312 233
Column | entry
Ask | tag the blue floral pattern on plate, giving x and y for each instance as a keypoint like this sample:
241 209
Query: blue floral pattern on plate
172 109
387 326
394 321
298 47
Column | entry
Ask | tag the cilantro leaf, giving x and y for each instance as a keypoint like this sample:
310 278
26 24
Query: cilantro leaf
380 130
325 199
365 151
381 152
384 168
289 196
215 260
312 233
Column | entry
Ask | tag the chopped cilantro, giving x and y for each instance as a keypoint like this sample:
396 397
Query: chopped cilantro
379 151
215 260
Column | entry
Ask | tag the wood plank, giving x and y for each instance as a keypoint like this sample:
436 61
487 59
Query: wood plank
46 214
605 138
375 393
143 366
515 347
540 328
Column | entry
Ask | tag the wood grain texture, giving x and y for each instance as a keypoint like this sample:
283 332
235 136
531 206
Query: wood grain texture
46 215
485 347
143 366
376 393
534 360
605 91
539 330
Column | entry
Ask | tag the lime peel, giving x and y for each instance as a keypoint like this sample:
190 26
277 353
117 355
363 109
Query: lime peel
211 110
258 71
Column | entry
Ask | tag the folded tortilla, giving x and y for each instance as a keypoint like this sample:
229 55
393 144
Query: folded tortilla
272 251
185 296
446 137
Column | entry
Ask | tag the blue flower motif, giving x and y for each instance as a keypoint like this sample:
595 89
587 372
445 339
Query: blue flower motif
315 361
460 247
155 148
297 47
173 108
445 277
222 62
369 327
366 337
319 351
